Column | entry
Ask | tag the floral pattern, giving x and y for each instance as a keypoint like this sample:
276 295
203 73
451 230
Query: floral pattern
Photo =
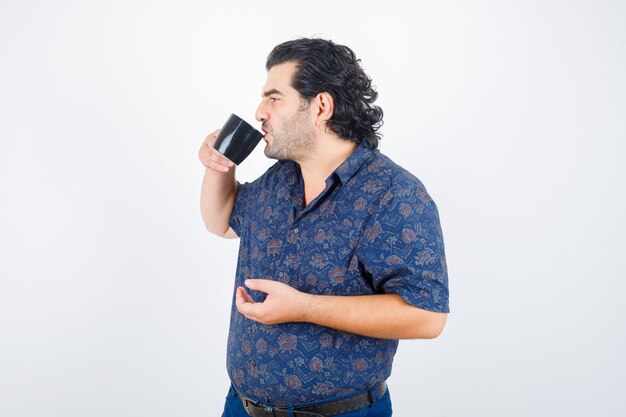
373 230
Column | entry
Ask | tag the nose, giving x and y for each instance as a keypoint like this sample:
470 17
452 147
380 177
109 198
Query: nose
261 113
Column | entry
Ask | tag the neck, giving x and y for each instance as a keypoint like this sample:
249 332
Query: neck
325 158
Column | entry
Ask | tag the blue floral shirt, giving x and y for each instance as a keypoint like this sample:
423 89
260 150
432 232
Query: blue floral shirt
373 230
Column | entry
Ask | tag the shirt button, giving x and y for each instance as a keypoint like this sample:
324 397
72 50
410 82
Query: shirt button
296 230
281 274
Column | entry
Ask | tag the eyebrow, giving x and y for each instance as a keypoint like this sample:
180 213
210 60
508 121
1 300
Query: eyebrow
270 92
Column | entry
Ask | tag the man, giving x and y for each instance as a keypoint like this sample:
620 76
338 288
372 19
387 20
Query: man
341 251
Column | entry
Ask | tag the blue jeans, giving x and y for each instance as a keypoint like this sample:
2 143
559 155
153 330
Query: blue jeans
381 408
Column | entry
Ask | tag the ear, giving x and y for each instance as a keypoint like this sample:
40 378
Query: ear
325 108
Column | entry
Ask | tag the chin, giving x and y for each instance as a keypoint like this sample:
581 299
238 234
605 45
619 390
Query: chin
269 154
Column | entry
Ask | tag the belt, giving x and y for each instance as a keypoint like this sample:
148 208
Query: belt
324 409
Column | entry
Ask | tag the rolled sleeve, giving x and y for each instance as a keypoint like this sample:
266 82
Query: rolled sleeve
250 197
403 248
243 201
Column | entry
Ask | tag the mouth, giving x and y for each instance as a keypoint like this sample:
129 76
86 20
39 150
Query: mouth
266 133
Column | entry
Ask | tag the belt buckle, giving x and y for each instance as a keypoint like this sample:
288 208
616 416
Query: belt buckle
247 402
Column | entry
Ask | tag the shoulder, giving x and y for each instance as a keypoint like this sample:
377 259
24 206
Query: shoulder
405 208
257 192
399 184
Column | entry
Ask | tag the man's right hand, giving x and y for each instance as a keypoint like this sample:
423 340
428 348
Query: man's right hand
219 187
211 158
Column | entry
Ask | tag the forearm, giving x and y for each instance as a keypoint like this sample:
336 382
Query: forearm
384 316
217 199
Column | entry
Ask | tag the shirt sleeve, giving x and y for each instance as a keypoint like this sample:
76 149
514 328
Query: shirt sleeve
403 250
249 196
243 201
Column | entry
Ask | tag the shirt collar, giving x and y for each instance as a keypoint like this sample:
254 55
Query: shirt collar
348 168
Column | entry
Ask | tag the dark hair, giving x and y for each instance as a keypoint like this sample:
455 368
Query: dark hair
324 66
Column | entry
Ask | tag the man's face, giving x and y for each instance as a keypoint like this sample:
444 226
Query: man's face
287 121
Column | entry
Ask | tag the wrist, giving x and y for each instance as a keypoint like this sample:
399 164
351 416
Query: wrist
308 307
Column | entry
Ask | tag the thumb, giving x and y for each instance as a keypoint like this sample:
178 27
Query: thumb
263 285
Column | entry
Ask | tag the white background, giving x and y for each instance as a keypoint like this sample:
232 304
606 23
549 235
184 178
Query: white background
114 299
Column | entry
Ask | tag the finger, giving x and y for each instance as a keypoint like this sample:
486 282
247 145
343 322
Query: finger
247 298
240 298
212 165
212 159
224 160
211 138
216 166
208 153
220 159
246 308
263 285
207 146
210 141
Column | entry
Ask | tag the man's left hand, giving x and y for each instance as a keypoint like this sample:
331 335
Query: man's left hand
283 303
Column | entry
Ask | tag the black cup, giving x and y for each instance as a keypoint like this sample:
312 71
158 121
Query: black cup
237 139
